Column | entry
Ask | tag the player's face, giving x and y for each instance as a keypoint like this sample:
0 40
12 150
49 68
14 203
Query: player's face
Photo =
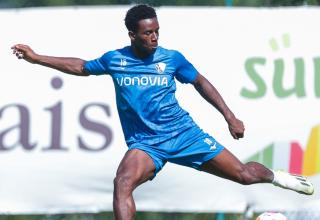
145 40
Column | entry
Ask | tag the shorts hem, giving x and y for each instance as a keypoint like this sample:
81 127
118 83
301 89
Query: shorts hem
210 157
156 165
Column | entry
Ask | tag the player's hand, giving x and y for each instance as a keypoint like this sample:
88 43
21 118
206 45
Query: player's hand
24 52
236 128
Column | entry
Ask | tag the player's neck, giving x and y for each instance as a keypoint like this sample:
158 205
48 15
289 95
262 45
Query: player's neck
140 53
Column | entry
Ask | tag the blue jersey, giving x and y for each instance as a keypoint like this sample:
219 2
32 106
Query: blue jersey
145 92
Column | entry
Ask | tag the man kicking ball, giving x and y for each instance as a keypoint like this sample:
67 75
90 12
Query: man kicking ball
156 129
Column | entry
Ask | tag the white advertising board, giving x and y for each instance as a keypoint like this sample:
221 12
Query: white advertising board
60 136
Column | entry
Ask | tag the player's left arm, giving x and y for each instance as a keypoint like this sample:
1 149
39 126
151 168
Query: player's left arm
210 93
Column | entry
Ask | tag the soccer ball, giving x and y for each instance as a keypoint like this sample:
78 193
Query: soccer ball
271 216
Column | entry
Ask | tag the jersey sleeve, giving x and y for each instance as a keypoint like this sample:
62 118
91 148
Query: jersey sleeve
98 66
186 72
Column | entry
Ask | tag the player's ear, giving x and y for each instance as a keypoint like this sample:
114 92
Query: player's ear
132 35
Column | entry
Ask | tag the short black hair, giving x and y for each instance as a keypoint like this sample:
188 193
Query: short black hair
137 13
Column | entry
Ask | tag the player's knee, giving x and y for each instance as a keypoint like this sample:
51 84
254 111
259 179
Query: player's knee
123 183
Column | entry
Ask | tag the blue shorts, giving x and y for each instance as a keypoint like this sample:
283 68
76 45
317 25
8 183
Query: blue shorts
190 148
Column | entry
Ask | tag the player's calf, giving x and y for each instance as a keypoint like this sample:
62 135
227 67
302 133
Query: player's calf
253 172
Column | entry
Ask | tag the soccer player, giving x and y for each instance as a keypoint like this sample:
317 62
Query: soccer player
156 128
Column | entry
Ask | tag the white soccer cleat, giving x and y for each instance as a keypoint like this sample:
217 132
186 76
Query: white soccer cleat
293 182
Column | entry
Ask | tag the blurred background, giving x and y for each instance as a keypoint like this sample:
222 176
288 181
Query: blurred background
156 215
237 3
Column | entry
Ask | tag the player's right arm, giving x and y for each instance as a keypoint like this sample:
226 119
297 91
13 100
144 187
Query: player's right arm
68 65
211 94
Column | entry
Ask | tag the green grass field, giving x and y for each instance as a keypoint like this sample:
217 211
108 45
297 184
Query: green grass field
140 216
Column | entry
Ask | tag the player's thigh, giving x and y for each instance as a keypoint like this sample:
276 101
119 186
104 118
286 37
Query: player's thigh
135 168
225 165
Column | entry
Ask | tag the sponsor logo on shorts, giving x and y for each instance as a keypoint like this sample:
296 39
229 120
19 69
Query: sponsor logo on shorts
210 143
207 141
213 147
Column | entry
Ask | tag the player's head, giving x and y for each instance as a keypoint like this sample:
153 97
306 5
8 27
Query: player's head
136 14
142 24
